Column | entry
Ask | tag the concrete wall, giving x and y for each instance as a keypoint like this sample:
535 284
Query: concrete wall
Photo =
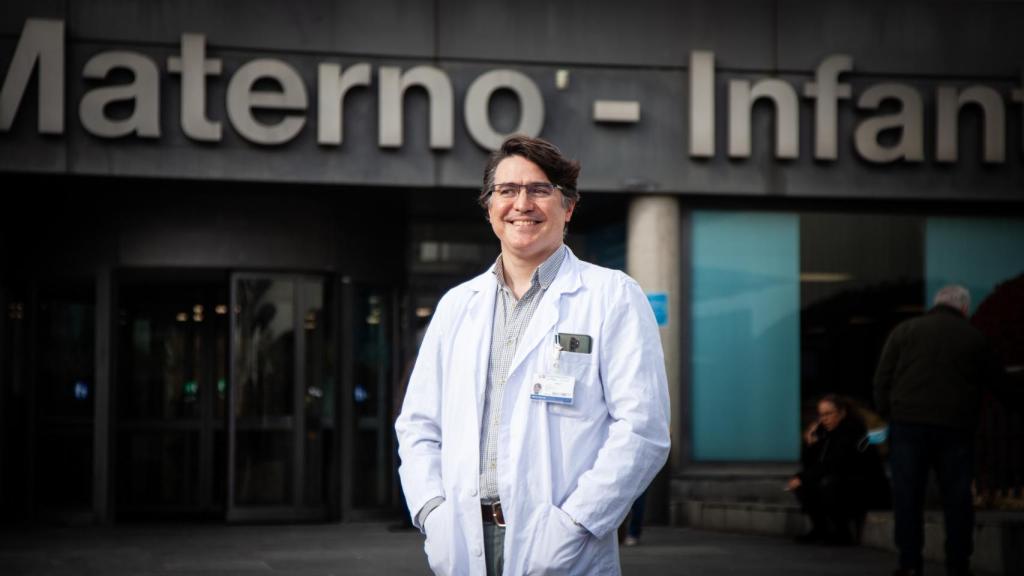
612 50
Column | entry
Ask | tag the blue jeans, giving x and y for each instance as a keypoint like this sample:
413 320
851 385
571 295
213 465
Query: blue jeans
494 548
916 449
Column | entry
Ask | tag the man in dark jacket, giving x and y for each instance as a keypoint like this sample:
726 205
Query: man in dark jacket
928 386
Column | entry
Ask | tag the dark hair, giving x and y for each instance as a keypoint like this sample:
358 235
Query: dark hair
836 400
559 169
850 408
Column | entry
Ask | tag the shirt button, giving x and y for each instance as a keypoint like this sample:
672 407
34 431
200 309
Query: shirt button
472 492
476 551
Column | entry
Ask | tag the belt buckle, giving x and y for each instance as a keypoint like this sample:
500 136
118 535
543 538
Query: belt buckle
497 514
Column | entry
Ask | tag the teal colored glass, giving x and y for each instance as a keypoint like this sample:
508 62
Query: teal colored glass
745 344
977 253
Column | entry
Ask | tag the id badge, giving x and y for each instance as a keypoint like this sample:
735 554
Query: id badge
553 387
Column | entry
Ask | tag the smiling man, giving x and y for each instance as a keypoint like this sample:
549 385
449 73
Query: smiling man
538 408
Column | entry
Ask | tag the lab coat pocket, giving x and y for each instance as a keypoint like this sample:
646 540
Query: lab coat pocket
560 545
580 367
438 528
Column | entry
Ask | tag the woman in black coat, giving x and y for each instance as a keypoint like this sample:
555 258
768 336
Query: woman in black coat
840 472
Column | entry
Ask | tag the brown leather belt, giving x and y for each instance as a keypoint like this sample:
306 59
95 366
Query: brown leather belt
492 514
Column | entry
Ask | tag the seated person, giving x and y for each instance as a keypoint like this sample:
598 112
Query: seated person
840 470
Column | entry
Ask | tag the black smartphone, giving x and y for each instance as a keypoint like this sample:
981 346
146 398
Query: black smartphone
579 343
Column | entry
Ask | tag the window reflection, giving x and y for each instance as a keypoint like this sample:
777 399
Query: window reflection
161 365
65 328
265 350
319 394
170 393
861 274
264 388
372 397
283 393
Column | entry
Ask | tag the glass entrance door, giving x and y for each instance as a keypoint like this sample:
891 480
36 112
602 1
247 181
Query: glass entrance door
172 334
374 411
280 424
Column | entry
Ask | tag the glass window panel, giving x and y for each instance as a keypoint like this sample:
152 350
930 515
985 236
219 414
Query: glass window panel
366 492
14 409
745 336
158 469
603 245
315 329
64 466
264 472
987 256
978 253
66 333
372 397
317 444
220 369
171 393
264 391
265 348
860 275
65 398
161 366
219 476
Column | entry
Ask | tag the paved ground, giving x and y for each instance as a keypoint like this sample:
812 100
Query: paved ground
358 549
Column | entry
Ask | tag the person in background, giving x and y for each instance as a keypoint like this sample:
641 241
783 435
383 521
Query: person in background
928 386
635 524
837 469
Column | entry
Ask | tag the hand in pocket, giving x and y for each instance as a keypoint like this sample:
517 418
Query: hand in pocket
559 546
438 529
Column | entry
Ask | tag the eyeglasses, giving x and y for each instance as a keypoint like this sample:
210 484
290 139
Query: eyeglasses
534 190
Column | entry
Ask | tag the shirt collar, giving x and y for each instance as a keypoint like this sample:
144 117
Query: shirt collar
544 275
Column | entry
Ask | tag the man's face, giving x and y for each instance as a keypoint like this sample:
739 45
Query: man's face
528 228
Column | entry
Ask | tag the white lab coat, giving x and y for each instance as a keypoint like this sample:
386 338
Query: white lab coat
557 464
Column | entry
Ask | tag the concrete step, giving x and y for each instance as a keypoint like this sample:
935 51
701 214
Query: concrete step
998 539
753 484
998 536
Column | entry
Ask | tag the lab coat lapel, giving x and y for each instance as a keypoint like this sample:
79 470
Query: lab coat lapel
480 321
546 316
